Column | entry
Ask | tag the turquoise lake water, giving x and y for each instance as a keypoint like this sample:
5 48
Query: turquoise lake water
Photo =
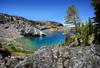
50 39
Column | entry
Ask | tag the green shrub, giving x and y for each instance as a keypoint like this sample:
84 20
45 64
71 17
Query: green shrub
83 34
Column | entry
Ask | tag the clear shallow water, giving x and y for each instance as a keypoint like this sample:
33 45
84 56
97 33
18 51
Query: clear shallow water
49 40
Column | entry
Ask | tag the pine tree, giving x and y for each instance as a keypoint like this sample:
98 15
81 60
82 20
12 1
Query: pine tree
72 18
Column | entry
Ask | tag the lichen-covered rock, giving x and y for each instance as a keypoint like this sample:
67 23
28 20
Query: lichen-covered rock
67 57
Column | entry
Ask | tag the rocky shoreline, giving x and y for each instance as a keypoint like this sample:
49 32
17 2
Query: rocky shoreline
15 26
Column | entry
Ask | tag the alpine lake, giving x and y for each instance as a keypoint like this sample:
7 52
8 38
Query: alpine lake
51 38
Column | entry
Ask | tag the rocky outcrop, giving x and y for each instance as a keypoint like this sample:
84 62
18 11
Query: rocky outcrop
29 30
66 57
16 27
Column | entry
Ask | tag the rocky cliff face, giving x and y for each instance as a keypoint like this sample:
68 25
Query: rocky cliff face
66 57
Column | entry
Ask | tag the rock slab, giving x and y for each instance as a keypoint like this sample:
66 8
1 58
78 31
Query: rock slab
66 57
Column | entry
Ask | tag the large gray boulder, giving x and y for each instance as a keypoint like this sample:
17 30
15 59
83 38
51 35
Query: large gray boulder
66 57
